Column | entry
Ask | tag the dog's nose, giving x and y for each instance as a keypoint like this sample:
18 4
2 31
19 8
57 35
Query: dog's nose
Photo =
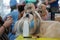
27 15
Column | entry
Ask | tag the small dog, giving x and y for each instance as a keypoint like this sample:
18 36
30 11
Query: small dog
45 28
49 29
29 12
41 9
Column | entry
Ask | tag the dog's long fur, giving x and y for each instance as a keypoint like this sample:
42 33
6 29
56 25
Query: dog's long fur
42 11
19 23
47 28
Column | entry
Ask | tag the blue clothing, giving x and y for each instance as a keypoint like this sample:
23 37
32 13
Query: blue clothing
54 4
14 14
32 24
13 2
54 7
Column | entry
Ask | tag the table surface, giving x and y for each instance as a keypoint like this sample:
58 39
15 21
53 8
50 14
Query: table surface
21 38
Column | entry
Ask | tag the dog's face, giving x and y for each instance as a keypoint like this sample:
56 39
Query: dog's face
29 8
42 10
41 7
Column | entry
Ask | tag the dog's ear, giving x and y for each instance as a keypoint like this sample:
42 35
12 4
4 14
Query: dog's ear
21 15
21 8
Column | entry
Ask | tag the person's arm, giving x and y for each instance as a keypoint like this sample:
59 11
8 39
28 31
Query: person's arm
6 24
51 1
2 29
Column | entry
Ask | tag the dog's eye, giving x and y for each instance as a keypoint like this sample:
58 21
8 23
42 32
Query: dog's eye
31 13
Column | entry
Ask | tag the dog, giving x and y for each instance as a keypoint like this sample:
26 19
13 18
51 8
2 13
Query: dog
57 17
49 29
29 12
41 9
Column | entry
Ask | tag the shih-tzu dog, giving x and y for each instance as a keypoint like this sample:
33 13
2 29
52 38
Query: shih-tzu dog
41 9
33 21
49 29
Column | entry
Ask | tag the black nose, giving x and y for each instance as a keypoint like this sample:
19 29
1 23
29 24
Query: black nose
27 15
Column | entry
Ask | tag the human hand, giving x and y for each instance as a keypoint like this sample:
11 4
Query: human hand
7 23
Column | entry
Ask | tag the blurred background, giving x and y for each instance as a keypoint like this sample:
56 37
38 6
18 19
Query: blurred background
5 7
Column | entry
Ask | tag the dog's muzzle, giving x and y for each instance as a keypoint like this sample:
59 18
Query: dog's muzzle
27 15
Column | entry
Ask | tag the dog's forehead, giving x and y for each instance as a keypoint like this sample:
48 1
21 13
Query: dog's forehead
29 5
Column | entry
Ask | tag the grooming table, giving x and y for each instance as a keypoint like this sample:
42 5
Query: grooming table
21 38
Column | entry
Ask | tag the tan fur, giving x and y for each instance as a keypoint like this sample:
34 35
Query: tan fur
50 29
34 17
57 19
47 28
44 13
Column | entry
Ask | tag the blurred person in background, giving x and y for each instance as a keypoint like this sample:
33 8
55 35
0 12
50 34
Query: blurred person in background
14 15
13 4
3 27
54 7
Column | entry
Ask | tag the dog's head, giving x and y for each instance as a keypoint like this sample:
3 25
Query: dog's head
41 7
29 8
